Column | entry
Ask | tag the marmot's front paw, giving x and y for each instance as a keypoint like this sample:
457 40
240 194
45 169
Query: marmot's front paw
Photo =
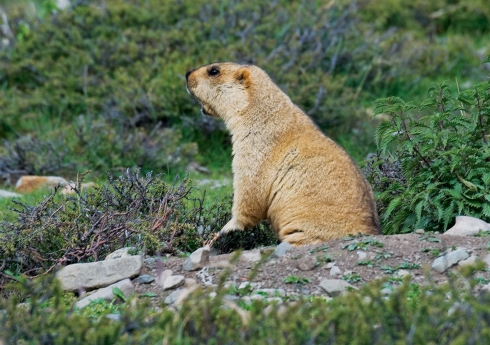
232 225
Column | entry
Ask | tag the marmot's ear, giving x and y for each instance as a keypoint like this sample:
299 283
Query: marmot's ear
243 76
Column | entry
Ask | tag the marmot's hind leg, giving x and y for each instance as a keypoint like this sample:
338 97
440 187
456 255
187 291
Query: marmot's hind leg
299 238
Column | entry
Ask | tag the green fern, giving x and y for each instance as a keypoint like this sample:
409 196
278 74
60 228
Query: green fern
443 149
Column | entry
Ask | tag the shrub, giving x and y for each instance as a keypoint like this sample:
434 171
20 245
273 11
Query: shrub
130 210
412 314
439 166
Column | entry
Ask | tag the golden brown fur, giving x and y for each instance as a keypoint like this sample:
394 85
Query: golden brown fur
285 169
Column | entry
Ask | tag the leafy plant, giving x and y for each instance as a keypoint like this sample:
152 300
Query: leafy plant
443 151
296 280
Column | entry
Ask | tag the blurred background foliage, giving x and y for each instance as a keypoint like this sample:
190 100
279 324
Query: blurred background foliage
101 83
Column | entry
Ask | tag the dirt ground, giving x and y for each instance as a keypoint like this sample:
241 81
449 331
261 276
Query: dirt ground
360 260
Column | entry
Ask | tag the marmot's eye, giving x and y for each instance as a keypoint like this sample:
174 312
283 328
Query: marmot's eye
213 71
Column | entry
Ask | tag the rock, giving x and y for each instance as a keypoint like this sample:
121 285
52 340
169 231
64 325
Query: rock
386 291
30 183
120 253
329 265
420 231
402 273
197 260
361 255
144 279
173 297
115 317
173 282
335 271
466 226
249 285
70 188
335 287
442 263
251 255
7 194
93 275
190 282
162 276
307 263
470 261
486 260
106 293
281 250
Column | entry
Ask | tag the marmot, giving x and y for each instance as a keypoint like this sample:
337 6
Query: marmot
285 169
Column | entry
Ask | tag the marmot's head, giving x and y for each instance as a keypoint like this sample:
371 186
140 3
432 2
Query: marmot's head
221 88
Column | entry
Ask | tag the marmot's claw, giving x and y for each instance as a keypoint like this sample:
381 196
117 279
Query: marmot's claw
211 241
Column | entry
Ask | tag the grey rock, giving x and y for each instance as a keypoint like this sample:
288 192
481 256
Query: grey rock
144 279
197 260
486 260
174 296
281 250
251 255
162 276
106 293
7 194
361 255
442 263
386 291
466 226
190 282
402 273
115 317
93 275
335 287
150 262
245 285
420 231
307 263
173 282
329 265
470 261
335 271
120 253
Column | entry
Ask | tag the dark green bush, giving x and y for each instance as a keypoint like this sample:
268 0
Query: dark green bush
439 166
410 315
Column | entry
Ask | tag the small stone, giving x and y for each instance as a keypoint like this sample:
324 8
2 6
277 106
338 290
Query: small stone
277 300
335 271
114 317
144 279
251 256
150 262
173 282
307 263
467 226
7 194
162 276
30 183
221 264
174 296
120 253
93 275
470 261
402 273
329 265
442 263
190 282
361 255
197 260
486 260
335 287
106 293
386 291
250 285
420 231
281 250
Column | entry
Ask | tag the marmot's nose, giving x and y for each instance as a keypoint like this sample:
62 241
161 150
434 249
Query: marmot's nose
188 74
